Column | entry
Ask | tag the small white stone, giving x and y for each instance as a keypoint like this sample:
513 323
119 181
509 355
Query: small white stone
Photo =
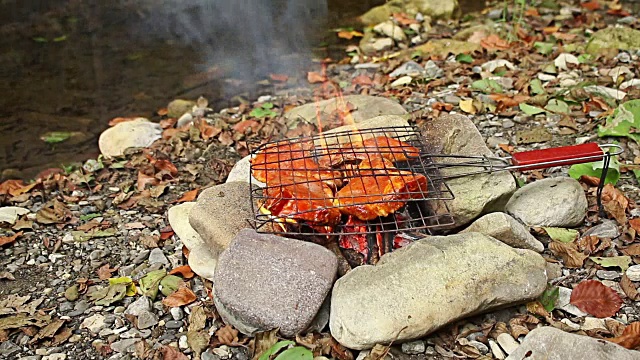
496 350
382 44
94 323
388 28
405 80
182 343
633 273
546 77
10 214
507 343
563 302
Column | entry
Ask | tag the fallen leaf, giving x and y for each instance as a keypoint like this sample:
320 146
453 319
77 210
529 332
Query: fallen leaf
226 138
149 283
344 34
262 342
184 270
7 186
622 262
615 203
571 257
549 297
362 80
54 212
279 77
182 296
635 224
207 131
467 106
595 298
170 284
592 244
630 337
243 125
166 167
105 271
629 288
561 234
171 353
494 42
119 120
144 180
591 5
188 196
48 331
315 77
198 341
440 106
227 335
4 240
5 275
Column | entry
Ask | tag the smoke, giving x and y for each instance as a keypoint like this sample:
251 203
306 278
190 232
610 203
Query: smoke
247 39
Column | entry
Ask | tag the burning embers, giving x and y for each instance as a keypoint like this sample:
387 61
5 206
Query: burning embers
364 186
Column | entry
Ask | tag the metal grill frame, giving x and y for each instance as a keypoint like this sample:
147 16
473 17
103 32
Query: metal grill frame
426 212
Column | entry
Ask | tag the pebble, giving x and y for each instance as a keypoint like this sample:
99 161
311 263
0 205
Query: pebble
208 355
80 307
507 343
480 346
410 68
508 124
157 257
173 324
147 319
546 77
55 356
633 273
182 342
124 346
624 57
177 313
607 229
139 306
432 70
496 350
414 347
94 323
607 274
382 44
452 99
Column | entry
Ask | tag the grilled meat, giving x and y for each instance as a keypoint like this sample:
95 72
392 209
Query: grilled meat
307 201
381 146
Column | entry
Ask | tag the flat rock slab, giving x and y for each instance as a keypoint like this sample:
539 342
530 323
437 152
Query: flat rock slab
436 9
264 281
241 171
417 289
558 202
457 135
548 343
505 228
618 38
220 213
365 107
138 133
201 259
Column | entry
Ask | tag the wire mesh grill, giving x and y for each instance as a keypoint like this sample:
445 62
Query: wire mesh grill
378 180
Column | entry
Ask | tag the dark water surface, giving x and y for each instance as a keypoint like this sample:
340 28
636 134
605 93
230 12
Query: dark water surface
73 65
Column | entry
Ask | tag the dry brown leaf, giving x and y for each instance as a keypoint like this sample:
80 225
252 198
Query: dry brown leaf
7 186
535 307
4 240
279 77
145 179
54 212
630 337
188 196
184 270
119 120
571 257
105 271
494 42
262 342
339 352
595 298
592 244
632 250
227 335
349 34
226 138
180 297
362 80
591 5
166 167
208 131
615 203
629 288
315 77
635 224
171 353
615 327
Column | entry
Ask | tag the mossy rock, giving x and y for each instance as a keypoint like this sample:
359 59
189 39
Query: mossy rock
436 9
444 47
622 38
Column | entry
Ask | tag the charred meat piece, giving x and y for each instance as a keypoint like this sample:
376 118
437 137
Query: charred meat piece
302 201
290 161
367 197
381 146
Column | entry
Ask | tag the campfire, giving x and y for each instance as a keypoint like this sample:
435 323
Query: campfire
370 190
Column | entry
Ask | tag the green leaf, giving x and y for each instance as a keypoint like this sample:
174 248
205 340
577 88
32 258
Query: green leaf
60 38
620 261
487 86
549 297
82 236
530 109
40 39
464 58
585 58
262 113
296 353
113 293
595 169
557 106
625 121
89 216
54 137
544 48
169 284
124 280
536 87
267 105
561 234
150 282
275 348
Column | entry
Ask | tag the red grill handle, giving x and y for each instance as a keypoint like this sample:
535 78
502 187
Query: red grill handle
558 156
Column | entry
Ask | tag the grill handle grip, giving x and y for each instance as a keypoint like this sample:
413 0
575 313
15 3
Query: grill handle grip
558 156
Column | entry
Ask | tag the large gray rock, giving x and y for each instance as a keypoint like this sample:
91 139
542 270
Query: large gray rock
437 9
417 289
241 171
558 202
365 107
503 227
264 282
220 213
549 343
456 135
138 133
202 259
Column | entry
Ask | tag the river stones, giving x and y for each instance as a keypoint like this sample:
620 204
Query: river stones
503 227
558 202
263 282
417 289
138 133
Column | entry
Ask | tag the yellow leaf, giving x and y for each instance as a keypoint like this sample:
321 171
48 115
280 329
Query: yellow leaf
467 106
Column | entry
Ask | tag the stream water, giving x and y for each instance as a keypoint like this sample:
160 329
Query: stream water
72 65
